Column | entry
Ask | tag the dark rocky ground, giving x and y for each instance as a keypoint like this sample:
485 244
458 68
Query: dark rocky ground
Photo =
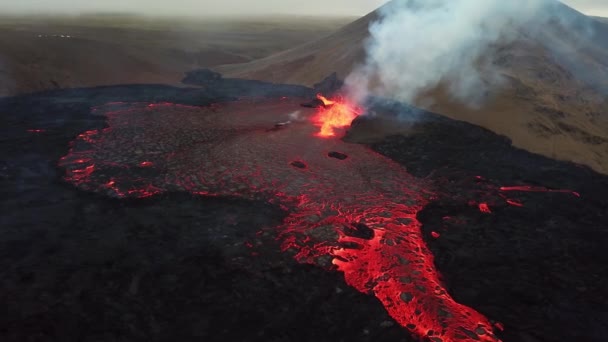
79 267
541 268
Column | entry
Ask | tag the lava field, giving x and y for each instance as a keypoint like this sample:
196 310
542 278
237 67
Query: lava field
125 204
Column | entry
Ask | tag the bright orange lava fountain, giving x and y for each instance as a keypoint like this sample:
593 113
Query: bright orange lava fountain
334 114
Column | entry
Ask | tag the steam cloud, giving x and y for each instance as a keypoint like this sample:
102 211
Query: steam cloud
295 116
417 45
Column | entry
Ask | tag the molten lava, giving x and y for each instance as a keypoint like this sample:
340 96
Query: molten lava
355 211
326 102
334 114
484 208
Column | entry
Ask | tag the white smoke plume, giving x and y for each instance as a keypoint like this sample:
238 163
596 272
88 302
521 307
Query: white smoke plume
295 116
417 45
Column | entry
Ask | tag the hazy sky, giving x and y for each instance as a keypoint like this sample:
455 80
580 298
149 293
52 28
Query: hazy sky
232 7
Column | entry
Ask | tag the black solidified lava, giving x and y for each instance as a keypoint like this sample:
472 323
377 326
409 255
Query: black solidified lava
314 103
180 267
251 88
359 230
337 155
202 77
298 164
329 85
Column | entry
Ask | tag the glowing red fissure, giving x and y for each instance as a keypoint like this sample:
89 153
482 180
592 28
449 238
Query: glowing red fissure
514 203
324 200
492 191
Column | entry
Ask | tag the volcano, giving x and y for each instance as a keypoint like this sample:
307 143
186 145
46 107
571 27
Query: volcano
544 106
231 209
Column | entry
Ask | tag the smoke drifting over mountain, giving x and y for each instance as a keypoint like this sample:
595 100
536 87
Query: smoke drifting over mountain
417 45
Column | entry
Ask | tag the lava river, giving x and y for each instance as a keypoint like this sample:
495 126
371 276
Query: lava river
345 202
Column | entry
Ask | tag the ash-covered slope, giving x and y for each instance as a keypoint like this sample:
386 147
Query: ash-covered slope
551 99
310 62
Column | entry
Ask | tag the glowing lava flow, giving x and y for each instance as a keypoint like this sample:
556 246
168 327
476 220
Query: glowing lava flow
356 214
333 115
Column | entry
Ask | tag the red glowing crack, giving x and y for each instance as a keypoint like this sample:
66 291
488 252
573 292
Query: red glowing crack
514 203
359 212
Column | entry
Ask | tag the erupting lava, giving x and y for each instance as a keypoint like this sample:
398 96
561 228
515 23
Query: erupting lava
359 211
334 114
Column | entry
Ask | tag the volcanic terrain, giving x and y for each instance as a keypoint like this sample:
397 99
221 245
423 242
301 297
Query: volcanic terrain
551 103
230 208
359 212
159 200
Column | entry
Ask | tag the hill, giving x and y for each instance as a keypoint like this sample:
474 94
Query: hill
551 103
39 53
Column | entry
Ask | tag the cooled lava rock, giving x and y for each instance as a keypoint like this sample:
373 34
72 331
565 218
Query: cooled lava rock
216 83
329 85
298 164
362 120
337 155
201 76
359 230
314 103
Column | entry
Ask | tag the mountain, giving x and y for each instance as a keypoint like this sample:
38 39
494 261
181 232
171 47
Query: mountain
550 103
